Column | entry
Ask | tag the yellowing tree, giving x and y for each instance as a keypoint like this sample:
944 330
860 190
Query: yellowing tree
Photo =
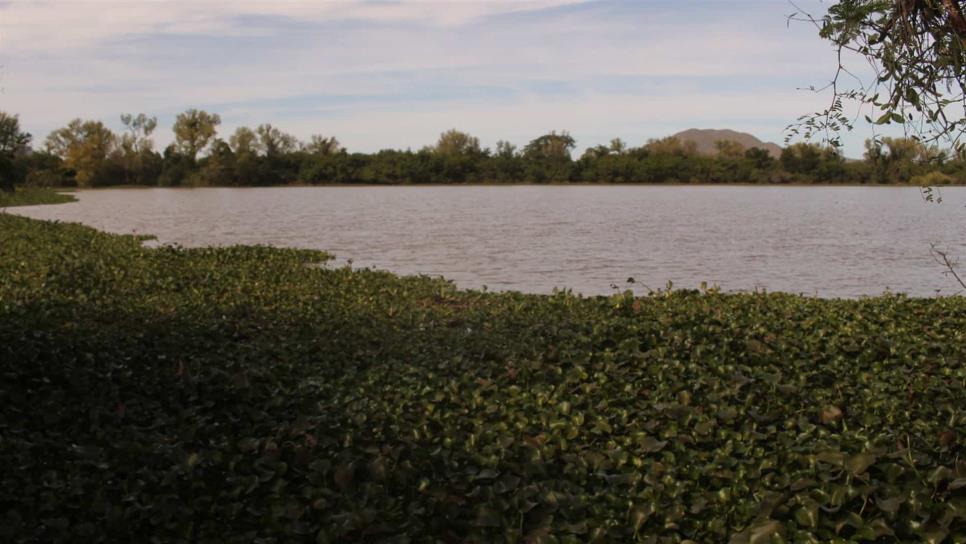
729 149
454 142
244 142
84 147
194 130
671 146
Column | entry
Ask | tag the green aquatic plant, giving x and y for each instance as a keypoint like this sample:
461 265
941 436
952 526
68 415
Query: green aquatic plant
31 197
239 395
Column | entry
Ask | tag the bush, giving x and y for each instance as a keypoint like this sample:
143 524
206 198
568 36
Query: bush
932 179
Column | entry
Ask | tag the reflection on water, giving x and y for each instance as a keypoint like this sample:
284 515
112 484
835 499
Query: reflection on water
826 241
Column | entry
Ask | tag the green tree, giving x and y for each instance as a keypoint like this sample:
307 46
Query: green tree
273 142
759 158
322 146
248 164
547 158
671 146
138 131
505 150
84 146
505 164
550 146
136 143
618 146
898 160
244 142
218 168
595 152
14 142
194 130
729 149
671 159
801 158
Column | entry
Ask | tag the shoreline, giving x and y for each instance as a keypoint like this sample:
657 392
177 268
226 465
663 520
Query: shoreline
500 184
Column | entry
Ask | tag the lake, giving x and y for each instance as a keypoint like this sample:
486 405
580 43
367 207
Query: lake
823 241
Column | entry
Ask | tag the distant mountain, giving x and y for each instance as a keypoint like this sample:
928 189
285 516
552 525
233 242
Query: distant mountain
705 138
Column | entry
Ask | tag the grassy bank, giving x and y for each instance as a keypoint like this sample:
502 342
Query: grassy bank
31 197
239 395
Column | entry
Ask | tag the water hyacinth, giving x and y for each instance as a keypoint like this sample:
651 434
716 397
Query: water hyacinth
33 196
238 395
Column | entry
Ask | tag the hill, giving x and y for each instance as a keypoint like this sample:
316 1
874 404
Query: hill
705 139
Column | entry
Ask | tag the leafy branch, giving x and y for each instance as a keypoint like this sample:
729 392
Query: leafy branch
916 50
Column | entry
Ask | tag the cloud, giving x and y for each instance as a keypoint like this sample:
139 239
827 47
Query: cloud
43 25
394 74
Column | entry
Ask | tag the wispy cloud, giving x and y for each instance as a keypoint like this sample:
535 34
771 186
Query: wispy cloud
395 74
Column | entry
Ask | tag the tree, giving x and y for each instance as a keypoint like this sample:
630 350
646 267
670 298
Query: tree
84 147
813 162
322 146
801 158
671 159
194 130
759 158
618 146
505 150
218 168
139 129
672 146
547 158
176 167
273 142
596 152
453 142
136 142
244 141
550 146
14 142
729 149
894 160
917 51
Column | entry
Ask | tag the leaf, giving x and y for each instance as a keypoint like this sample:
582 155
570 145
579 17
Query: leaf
830 414
763 532
486 517
884 119
639 515
486 474
650 444
807 515
890 505
857 464
344 475
248 444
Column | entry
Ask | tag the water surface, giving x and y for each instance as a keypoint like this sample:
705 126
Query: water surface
825 241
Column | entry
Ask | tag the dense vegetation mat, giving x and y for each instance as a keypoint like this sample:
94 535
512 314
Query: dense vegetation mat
28 197
246 394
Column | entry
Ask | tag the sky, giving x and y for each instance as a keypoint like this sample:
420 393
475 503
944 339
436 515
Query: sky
395 74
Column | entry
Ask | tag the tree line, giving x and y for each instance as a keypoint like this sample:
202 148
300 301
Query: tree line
86 153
